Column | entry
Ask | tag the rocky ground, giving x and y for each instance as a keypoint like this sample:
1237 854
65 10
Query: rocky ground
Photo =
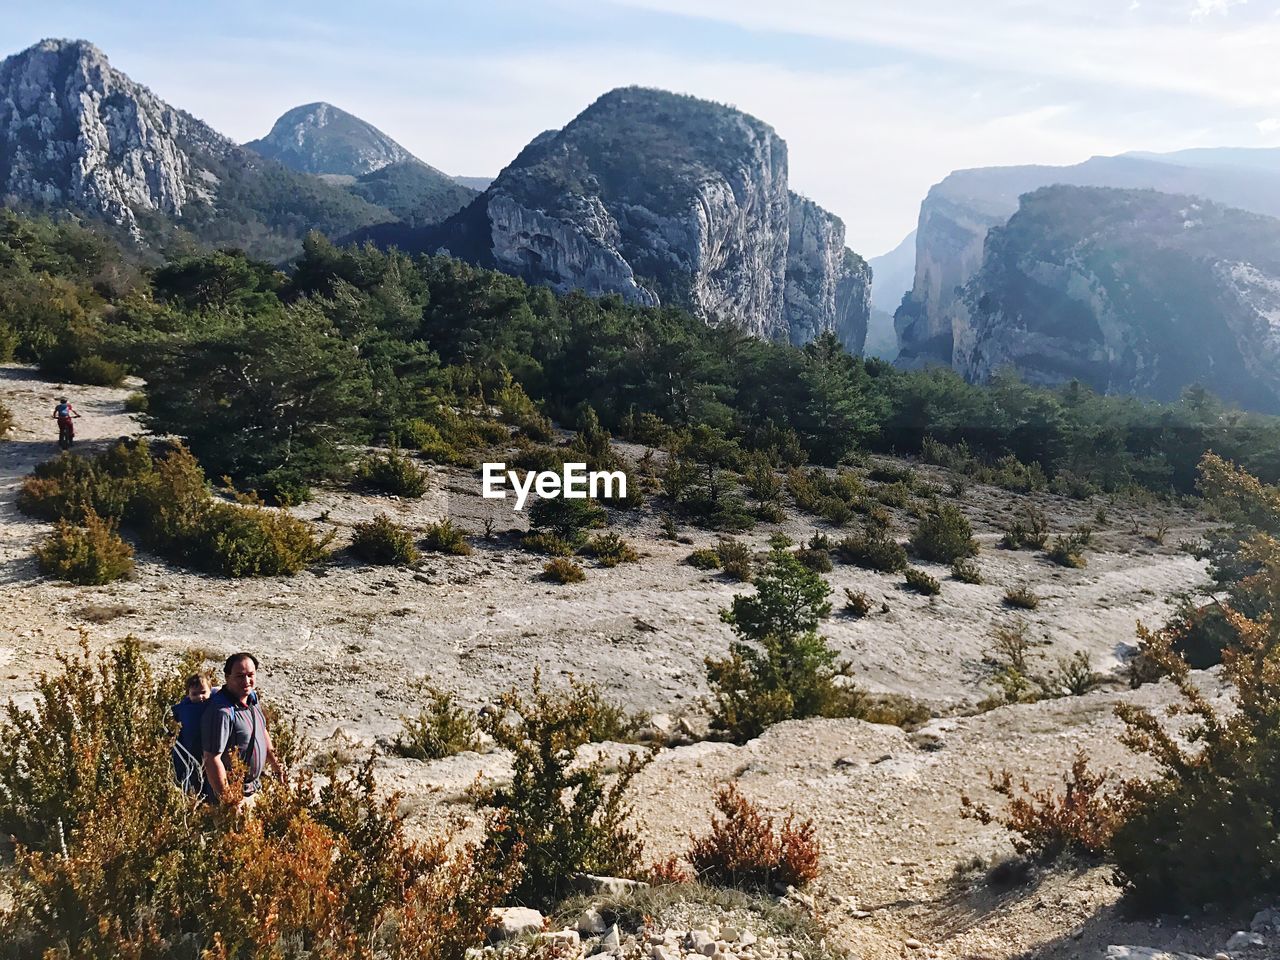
345 645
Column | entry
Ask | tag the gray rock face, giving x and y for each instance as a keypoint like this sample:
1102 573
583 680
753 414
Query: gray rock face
75 132
321 139
828 287
77 135
959 211
1130 292
665 199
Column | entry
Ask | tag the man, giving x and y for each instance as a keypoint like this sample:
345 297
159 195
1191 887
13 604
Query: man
233 724
63 412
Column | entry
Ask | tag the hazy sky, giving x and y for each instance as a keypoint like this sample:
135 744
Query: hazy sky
877 100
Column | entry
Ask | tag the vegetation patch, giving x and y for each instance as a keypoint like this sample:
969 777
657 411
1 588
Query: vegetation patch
382 540
744 850
89 554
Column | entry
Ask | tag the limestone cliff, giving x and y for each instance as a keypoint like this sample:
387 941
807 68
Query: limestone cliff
959 211
77 135
1130 292
665 199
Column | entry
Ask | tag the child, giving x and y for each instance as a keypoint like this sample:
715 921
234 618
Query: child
187 751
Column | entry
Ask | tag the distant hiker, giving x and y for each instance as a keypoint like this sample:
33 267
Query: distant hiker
188 755
234 725
64 412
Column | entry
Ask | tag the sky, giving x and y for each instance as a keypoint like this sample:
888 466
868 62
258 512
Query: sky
876 100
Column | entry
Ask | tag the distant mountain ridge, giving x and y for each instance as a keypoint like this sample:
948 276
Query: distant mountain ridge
959 211
665 199
1130 292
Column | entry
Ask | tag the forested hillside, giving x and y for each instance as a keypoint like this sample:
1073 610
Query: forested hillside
269 374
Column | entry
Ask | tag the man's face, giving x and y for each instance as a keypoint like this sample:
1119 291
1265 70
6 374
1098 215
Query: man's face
241 679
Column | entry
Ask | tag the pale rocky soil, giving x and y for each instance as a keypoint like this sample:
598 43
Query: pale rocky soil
344 646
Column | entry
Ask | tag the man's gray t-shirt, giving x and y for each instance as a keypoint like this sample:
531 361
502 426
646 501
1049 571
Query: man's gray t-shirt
227 725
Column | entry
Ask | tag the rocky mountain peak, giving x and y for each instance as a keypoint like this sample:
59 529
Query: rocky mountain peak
74 131
320 138
666 199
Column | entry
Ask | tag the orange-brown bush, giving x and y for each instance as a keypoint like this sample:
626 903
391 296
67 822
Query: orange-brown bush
1046 824
115 861
90 554
743 850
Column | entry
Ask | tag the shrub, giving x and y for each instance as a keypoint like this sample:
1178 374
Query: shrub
874 550
64 487
966 571
548 544
893 494
96 372
116 862
1068 484
382 540
856 604
1022 597
135 402
817 560
704 558
1012 474
563 570
780 541
254 541
556 816
742 849
610 549
1203 830
779 668
944 535
735 559
440 729
6 421
1046 824
394 473
1012 674
566 519
1066 550
603 720
444 537
1076 672
920 581
90 554
1028 532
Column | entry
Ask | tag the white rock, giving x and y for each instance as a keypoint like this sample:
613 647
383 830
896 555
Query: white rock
508 922
608 886
612 937
1265 921
1115 952
660 952
591 922
567 937
699 941
1244 938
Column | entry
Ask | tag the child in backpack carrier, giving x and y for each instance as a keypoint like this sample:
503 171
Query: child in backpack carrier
187 752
